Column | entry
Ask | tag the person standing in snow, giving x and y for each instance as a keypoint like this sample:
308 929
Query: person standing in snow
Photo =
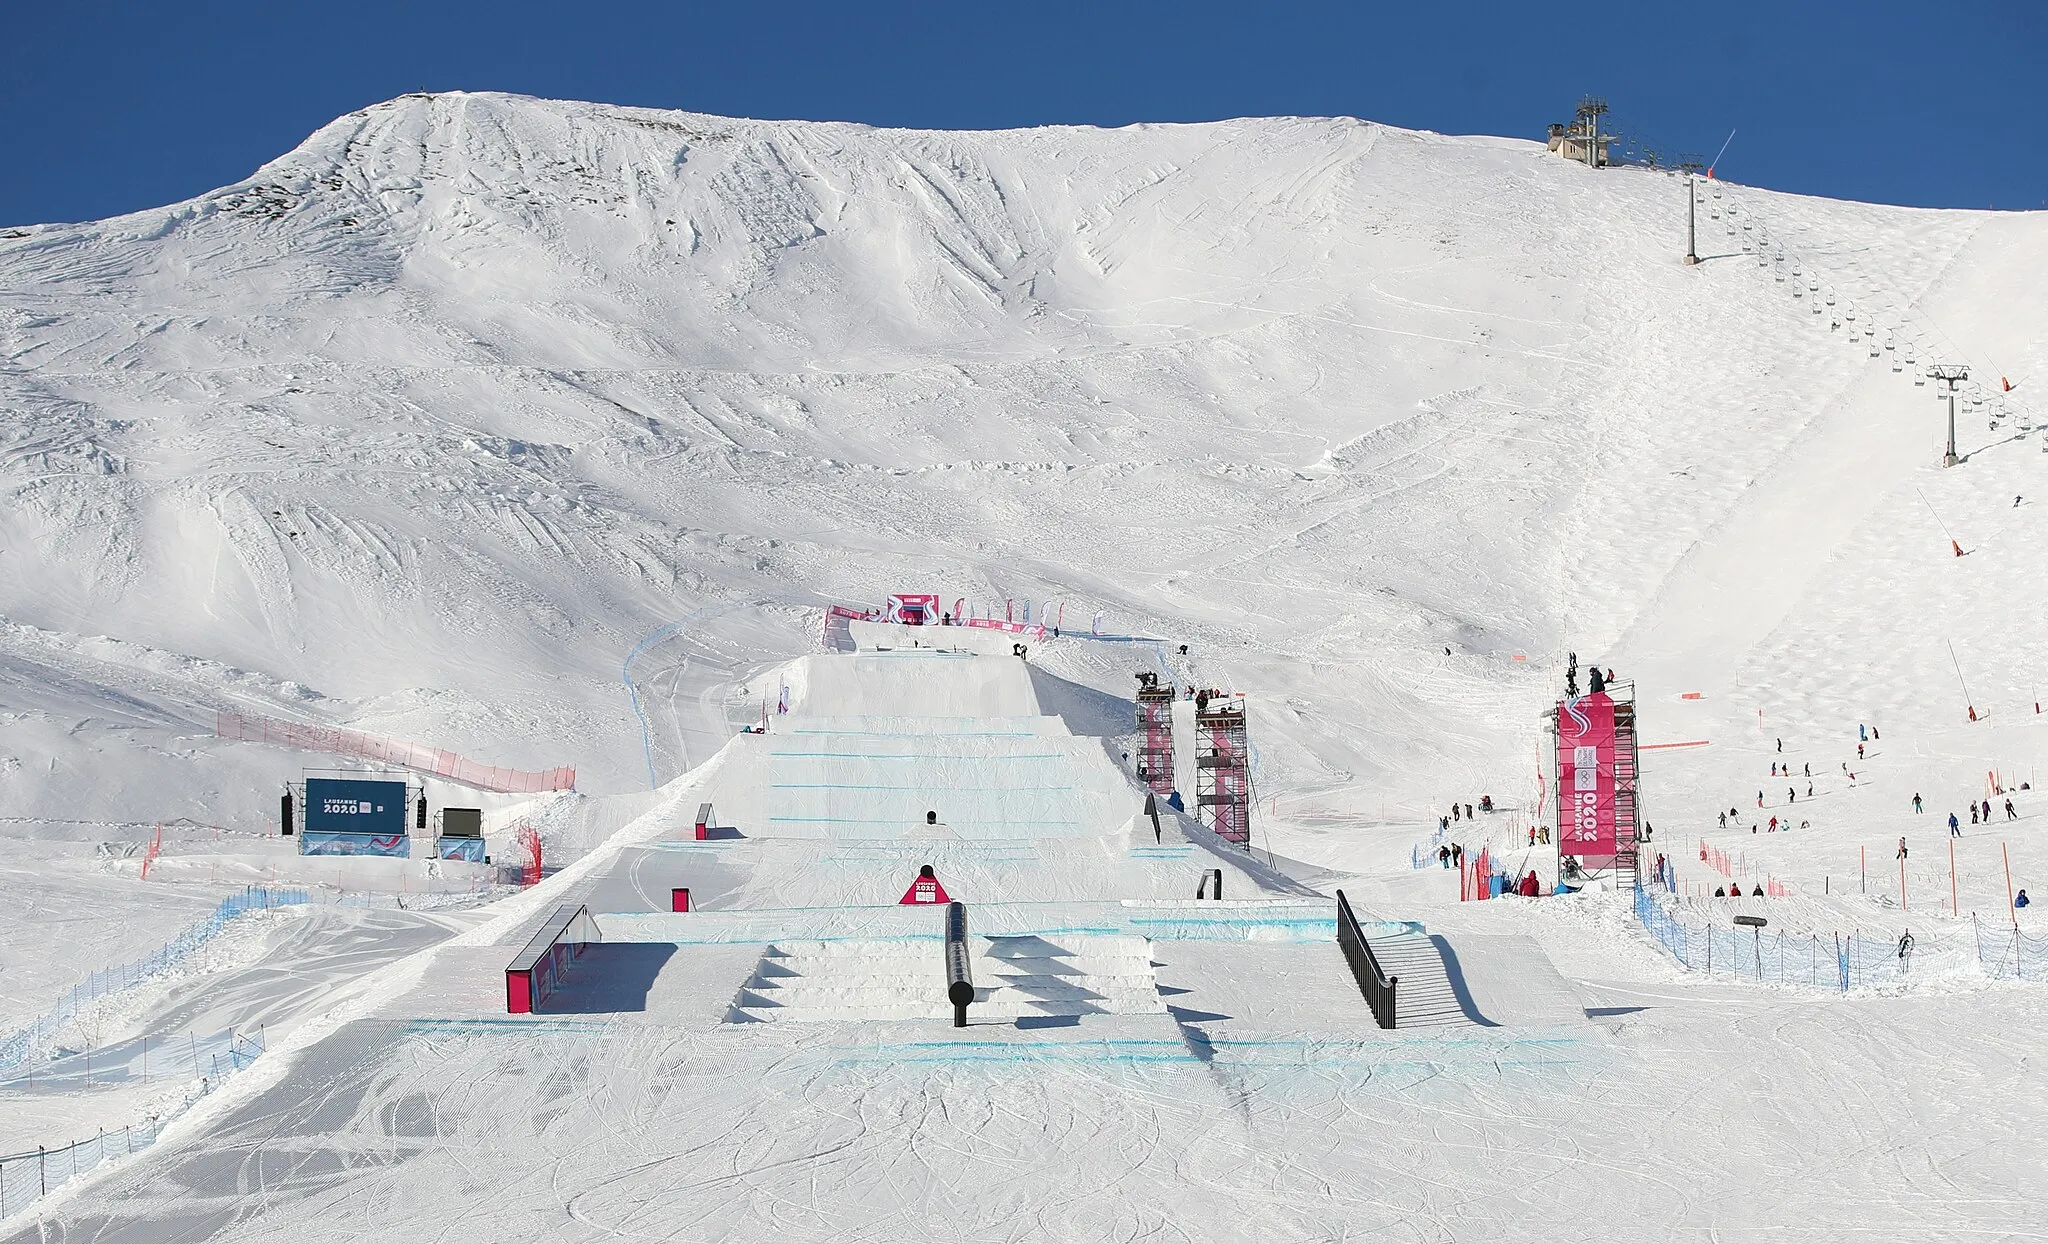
1781 745
1916 802
1808 769
2021 900
1955 830
1862 732
1902 841
1759 799
2010 815
1859 751
1724 820
1987 811
1443 856
1791 796
1973 814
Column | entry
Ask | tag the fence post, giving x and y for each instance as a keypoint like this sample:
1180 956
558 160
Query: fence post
43 1170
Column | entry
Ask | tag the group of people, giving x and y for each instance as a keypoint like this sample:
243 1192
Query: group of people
1980 813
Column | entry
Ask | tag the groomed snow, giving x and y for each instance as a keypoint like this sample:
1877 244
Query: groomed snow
427 425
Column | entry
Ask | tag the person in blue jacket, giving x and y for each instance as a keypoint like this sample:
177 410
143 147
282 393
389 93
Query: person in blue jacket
1955 827
2022 900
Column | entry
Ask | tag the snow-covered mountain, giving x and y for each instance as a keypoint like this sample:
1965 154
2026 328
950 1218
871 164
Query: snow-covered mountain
426 424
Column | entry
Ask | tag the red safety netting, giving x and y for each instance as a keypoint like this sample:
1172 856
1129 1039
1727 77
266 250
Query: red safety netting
446 764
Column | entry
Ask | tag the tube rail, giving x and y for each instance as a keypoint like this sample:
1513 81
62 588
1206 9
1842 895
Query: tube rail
959 977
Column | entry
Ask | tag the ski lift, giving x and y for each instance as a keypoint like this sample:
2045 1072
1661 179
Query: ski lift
1831 299
1812 287
1834 325
1816 306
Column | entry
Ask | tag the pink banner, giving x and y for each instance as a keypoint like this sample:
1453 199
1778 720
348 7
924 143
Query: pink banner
1585 776
1014 628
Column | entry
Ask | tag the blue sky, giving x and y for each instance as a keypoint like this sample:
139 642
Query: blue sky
118 106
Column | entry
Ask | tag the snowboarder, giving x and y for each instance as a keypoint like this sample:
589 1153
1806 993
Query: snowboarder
1791 796
1862 732
1955 830
1468 811
1781 745
1916 802
1443 824
1724 820
1454 812
1457 855
1987 811
1759 799
1759 893
1809 790
1973 814
1809 770
2010 815
1859 751
1875 737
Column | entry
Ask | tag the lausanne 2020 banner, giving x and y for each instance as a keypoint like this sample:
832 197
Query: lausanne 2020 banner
352 817
1585 776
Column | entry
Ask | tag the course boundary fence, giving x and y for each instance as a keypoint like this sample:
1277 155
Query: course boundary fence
20 1047
26 1177
1839 962
252 728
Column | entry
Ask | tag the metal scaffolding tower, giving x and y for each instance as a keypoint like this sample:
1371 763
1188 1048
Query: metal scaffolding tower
1223 770
1155 749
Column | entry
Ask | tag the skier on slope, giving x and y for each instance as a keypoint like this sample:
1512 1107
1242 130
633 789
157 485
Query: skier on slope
1987 811
1955 827
2010 815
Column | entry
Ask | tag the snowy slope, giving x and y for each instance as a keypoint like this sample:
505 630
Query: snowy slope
426 423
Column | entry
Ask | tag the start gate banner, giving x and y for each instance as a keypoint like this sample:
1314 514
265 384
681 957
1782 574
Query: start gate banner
1585 776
